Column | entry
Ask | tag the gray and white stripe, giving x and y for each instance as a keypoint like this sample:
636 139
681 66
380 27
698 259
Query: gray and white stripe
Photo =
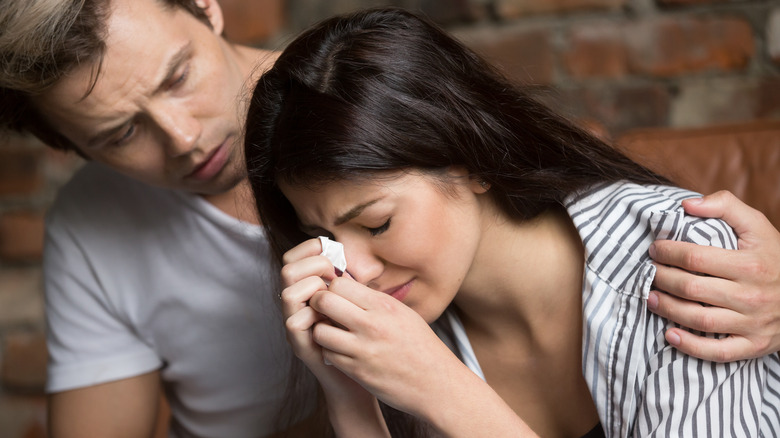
642 386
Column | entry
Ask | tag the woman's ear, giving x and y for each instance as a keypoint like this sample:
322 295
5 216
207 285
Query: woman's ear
214 12
478 185
475 183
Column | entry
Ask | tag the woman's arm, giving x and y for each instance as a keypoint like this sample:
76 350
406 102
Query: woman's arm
393 353
742 290
353 412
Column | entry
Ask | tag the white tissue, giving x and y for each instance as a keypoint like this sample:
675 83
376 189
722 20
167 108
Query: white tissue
334 251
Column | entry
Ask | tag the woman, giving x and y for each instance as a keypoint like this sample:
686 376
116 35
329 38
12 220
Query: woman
458 198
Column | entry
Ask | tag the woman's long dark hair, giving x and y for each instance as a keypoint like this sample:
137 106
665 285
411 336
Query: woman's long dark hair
383 90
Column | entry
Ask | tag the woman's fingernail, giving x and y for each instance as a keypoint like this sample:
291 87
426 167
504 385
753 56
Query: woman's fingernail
694 201
326 361
652 301
651 250
673 338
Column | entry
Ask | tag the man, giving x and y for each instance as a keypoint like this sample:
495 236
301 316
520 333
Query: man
156 268
144 280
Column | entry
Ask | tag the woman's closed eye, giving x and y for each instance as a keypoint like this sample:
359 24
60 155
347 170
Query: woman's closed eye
380 229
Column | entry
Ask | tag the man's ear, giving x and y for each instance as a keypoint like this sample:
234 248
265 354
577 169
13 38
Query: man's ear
214 12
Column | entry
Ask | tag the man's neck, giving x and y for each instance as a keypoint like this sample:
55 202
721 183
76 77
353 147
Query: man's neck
237 202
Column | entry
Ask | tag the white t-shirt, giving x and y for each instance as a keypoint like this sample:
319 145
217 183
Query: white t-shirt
139 278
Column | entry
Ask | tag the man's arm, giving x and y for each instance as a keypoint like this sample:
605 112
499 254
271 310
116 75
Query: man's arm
742 293
126 408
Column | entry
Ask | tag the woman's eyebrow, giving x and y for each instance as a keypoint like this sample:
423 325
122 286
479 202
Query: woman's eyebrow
354 212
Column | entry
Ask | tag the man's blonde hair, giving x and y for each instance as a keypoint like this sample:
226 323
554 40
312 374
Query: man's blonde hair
40 42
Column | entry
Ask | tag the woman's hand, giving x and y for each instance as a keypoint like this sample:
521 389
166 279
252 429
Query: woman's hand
391 351
353 411
743 289
379 342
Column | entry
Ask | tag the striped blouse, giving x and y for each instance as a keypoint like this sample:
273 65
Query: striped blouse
642 386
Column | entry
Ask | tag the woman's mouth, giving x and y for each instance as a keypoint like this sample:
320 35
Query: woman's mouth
400 292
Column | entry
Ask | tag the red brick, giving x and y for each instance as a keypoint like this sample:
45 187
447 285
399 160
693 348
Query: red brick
36 429
59 166
24 362
688 2
252 21
21 236
674 46
518 8
525 55
616 107
596 51
19 167
768 95
22 415
21 296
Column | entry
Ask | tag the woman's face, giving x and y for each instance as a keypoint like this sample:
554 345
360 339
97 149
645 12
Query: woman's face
408 234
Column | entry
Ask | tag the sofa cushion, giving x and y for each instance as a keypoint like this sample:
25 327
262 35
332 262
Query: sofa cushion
743 158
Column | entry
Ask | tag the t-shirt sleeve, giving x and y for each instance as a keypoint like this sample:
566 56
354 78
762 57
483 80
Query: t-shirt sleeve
684 396
89 343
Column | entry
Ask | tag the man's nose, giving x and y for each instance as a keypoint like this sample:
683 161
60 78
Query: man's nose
181 129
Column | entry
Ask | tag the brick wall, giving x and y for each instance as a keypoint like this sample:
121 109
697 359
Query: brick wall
615 64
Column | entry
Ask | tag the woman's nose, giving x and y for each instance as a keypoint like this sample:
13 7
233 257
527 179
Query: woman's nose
362 264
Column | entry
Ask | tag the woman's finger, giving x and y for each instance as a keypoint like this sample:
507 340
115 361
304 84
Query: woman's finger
299 334
338 308
334 339
305 249
297 296
358 294
303 320
312 266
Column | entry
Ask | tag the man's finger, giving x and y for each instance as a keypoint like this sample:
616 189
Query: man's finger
694 316
708 260
710 290
725 349
724 205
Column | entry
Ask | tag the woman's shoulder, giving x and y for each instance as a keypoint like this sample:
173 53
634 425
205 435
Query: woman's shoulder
652 211
606 197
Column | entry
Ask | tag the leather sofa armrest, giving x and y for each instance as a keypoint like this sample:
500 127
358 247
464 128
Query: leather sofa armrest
741 158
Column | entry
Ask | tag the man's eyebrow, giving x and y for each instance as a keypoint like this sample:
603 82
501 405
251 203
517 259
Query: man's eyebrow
173 65
354 212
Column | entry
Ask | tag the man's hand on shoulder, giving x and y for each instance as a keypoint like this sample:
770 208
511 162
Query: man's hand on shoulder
741 289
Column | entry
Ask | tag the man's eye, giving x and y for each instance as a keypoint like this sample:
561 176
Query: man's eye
183 77
380 229
126 136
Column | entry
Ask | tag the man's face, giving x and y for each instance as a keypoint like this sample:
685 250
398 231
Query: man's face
165 108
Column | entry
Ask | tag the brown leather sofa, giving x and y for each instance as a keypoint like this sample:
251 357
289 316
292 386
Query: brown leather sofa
741 158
